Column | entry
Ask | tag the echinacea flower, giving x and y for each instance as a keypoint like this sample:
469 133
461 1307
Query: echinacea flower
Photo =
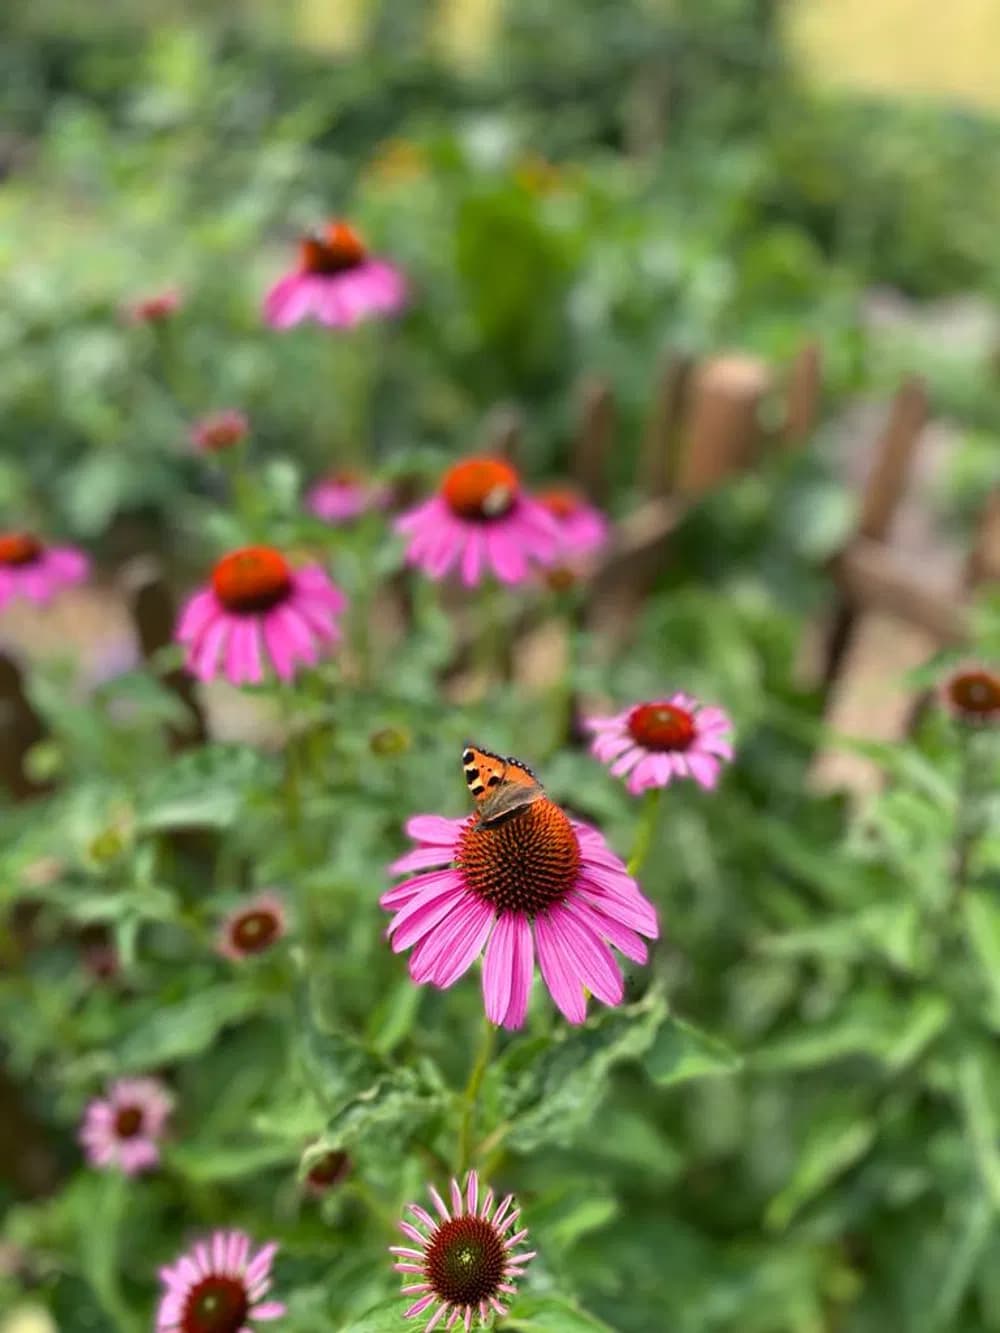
253 928
462 1263
483 522
583 529
327 1172
218 1286
122 1129
30 569
972 694
219 431
258 607
154 309
336 282
344 495
538 880
666 738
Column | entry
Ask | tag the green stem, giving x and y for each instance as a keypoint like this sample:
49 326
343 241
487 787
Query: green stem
647 827
966 820
471 1094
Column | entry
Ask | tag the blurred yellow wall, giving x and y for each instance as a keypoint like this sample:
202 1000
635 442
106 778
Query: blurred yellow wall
941 48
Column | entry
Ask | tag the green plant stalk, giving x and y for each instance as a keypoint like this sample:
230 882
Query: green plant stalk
470 1096
647 827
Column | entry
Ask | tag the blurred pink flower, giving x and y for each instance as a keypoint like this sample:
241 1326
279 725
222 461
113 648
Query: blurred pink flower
219 431
481 521
123 1129
154 309
663 739
583 529
253 928
538 880
463 1262
255 608
344 495
37 572
218 1286
336 282
972 694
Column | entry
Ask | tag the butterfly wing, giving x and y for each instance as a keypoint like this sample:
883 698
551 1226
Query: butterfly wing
499 786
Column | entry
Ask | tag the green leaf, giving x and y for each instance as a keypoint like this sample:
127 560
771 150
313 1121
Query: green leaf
977 1095
338 1067
887 930
870 1024
179 1031
551 1314
392 1110
681 1052
204 788
831 1148
99 1214
558 1093
204 1162
386 1317
982 926
970 1238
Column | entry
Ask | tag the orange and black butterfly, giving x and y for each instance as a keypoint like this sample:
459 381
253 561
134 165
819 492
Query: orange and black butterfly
501 787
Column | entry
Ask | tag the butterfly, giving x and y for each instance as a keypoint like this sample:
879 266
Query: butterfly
501 787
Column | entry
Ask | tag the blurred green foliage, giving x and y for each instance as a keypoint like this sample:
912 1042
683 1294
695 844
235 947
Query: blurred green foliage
793 1126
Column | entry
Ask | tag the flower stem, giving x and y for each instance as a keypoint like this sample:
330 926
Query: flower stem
647 827
471 1094
966 818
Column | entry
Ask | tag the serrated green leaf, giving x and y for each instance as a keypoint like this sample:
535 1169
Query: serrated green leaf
338 1067
558 1094
391 1110
681 1052
179 1031
551 1314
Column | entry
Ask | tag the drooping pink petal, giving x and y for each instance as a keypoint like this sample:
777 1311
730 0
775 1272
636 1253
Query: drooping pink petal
563 986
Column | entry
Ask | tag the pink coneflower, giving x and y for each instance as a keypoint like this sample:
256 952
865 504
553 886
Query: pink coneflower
123 1129
336 282
258 607
30 569
253 928
583 529
663 739
218 1286
219 431
344 495
972 694
154 309
464 1261
327 1172
481 521
539 879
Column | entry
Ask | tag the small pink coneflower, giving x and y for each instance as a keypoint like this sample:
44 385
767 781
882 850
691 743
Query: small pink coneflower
154 309
462 1263
666 738
336 282
539 881
483 522
253 928
344 495
972 694
583 529
255 608
32 570
122 1129
219 431
218 1286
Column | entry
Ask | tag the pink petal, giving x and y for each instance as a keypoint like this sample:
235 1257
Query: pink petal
419 859
421 915
505 555
435 829
589 957
563 986
625 941
498 969
467 944
704 769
